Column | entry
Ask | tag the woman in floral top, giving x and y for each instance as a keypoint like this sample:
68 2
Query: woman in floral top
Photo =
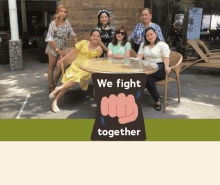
106 30
59 30
138 34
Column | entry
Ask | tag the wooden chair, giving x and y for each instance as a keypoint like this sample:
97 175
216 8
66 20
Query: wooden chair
208 52
204 61
133 53
175 61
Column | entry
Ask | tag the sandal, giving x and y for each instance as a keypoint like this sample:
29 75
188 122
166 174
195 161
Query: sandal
56 108
52 95
158 106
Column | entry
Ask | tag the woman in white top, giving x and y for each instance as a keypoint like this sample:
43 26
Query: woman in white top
153 50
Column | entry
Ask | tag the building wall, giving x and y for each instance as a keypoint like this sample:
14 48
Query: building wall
83 15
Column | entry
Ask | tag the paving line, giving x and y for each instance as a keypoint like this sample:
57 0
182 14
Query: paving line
22 108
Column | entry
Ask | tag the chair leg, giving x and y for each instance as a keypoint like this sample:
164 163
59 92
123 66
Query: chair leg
165 98
178 83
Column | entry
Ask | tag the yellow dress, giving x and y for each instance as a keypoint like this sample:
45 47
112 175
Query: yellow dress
74 73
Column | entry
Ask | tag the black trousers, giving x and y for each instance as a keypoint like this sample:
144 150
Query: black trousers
151 81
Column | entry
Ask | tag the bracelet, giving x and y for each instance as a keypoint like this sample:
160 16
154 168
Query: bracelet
166 65
56 49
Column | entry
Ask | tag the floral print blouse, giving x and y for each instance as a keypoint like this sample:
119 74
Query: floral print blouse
139 31
58 36
106 36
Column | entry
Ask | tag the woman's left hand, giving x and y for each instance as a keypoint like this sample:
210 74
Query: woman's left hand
59 62
167 70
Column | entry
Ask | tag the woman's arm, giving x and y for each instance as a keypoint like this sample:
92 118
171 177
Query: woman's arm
73 52
109 53
127 54
140 56
101 44
56 48
166 61
132 36
159 33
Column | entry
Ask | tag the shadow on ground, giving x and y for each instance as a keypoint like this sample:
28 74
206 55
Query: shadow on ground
200 95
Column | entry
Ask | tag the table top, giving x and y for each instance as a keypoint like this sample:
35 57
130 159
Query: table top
110 65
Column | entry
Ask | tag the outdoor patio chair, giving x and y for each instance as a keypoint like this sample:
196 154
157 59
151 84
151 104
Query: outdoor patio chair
175 61
204 61
133 53
208 52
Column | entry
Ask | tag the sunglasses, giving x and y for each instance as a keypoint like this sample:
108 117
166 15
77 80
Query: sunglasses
122 33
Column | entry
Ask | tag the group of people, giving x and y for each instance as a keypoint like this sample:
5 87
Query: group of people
105 41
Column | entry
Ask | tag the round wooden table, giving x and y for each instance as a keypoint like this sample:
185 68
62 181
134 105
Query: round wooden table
104 65
119 87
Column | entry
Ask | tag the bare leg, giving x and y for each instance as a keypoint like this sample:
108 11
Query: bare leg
51 66
60 92
57 76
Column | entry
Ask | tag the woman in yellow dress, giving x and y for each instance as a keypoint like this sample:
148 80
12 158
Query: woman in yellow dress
85 50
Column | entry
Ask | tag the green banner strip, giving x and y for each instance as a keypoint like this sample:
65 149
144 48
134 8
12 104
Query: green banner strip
80 130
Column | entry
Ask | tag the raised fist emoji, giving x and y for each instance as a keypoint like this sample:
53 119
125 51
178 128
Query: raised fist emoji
121 106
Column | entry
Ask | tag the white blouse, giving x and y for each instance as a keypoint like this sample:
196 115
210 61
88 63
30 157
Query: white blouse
155 54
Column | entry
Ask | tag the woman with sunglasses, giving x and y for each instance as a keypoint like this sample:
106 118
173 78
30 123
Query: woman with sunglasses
155 51
106 30
120 47
138 34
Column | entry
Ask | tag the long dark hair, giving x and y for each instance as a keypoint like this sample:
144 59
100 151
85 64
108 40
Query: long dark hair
125 39
99 15
146 42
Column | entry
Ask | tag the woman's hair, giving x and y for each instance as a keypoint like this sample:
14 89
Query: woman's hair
146 42
99 15
147 9
94 31
56 17
124 40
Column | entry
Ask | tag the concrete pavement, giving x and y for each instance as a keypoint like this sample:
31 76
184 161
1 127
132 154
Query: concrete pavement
24 95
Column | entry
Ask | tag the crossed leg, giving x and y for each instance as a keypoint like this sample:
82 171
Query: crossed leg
58 92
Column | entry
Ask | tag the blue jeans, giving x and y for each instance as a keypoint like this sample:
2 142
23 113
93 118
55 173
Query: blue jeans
151 81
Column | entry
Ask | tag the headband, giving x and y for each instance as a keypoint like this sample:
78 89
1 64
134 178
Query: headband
103 11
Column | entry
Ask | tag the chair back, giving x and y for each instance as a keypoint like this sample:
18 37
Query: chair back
175 61
133 53
203 45
198 50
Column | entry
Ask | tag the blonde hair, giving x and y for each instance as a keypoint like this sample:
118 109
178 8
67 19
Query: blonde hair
56 16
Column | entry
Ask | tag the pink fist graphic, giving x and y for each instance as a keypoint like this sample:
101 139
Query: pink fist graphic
121 106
